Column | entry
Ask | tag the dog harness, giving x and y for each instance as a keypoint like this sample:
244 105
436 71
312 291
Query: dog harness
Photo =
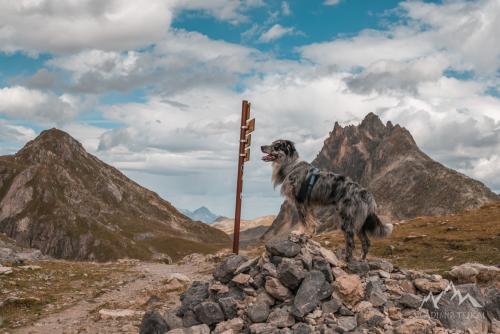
308 184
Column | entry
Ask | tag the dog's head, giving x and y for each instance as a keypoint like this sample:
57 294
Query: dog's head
279 151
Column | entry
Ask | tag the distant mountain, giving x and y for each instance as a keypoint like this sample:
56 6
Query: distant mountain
202 214
405 181
250 230
56 197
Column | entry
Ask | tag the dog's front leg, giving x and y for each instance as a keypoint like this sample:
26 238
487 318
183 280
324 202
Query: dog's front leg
307 219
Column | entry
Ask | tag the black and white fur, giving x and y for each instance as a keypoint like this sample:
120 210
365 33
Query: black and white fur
354 204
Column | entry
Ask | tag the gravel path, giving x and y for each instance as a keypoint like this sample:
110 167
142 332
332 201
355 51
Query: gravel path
130 299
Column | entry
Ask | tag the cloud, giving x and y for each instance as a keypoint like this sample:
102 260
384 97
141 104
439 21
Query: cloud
69 26
277 31
28 104
15 133
331 2
226 10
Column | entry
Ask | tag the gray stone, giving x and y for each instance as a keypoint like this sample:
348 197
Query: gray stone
229 307
374 294
264 297
345 311
258 312
276 260
370 317
196 293
172 320
410 300
189 319
380 264
263 329
322 265
269 269
284 248
247 265
291 273
209 313
199 329
450 311
492 303
225 271
331 306
309 294
346 324
302 328
281 317
153 323
358 267
274 287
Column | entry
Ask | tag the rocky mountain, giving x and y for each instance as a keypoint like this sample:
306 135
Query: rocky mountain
56 197
202 214
405 181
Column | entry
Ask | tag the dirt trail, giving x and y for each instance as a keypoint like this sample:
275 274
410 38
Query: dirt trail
84 317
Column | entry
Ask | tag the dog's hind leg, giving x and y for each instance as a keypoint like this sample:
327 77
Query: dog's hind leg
349 244
365 242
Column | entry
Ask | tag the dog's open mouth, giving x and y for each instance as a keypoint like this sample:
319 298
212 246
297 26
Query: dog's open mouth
269 157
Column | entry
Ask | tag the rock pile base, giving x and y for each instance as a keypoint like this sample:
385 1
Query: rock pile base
296 286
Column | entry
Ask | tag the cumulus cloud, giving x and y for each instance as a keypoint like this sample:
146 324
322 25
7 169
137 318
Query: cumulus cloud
227 10
28 104
68 26
15 133
277 31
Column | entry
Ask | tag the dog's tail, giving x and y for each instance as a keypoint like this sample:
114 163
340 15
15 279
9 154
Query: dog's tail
374 226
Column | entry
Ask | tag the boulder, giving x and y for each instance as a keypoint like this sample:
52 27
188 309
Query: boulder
425 285
153 323
312 290
349 288
410 300
284 248
209 313
475 273
196 294
225 271
291 273
258 312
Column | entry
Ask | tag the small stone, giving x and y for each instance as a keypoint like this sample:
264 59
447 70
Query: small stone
5 270
274 287
349 288
269 269
381 265
370 316
247 265
199 329
235 325
330 257
224 272
283 248
374 294
241 279
411 326
346 324
290 273
263 329
258 312
153 323
196 294
427 286
331 306
172 320
322 265
410 300
264 297
281 318
209 313
229 307
113 314
358 267
395 313
302 328
345 311
189 319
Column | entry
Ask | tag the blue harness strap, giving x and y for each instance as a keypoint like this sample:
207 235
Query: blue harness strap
308 184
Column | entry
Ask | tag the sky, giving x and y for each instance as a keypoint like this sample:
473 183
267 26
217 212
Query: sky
154 87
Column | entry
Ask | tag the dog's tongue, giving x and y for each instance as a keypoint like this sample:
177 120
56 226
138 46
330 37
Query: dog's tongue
268 157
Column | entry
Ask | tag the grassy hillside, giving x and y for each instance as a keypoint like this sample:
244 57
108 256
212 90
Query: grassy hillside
434 244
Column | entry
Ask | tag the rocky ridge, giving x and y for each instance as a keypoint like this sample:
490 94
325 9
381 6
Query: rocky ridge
297 286
56 197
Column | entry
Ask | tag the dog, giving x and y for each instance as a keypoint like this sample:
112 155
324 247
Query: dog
308 188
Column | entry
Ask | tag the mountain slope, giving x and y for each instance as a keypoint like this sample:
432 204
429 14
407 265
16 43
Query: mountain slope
58 198
405 181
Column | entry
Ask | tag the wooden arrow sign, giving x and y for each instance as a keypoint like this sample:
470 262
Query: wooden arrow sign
250 125
248 140
247 154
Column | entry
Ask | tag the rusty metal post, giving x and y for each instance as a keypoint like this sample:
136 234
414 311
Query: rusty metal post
242 156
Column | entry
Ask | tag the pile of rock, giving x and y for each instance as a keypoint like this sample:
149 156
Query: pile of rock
297 286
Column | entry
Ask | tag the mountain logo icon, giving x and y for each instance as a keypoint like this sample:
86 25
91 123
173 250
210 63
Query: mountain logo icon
457 295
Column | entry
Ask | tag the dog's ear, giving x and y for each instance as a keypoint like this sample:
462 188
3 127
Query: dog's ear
289 148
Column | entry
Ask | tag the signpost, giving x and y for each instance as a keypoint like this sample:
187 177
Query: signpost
246 128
